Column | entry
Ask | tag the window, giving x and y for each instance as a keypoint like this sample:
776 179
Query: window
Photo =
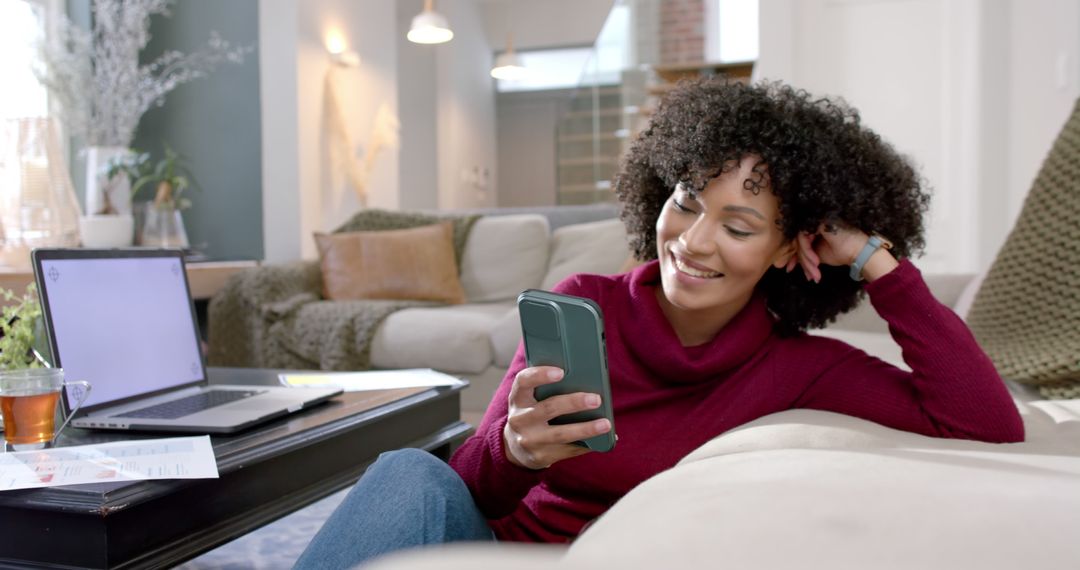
731 30
564 68
21 27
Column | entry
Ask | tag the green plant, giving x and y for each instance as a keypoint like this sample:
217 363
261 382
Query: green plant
171 176
21 331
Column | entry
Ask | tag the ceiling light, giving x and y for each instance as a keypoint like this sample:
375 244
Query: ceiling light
429 27
508 65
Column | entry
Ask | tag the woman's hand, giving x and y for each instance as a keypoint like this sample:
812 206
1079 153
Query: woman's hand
528 439
832 244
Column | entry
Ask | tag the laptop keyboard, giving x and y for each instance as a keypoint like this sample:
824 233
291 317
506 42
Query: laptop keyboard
190 405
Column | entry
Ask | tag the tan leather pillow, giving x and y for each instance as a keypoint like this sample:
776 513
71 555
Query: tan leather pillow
414 264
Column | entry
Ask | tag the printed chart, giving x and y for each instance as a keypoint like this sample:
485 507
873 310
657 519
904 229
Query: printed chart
168 458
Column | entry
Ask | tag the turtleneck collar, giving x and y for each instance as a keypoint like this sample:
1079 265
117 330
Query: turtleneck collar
659 348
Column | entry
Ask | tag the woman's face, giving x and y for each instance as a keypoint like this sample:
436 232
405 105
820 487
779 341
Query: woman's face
714 247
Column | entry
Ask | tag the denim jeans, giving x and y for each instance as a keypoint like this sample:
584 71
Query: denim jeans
406 498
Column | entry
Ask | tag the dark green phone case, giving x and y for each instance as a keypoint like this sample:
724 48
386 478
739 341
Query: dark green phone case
568 332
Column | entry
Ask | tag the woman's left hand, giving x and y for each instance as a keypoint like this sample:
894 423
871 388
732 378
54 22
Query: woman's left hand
832 244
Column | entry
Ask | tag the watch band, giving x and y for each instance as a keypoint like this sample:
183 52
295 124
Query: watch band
873 244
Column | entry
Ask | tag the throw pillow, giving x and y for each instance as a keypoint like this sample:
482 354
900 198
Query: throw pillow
598 247
415 264
377 220
1026 314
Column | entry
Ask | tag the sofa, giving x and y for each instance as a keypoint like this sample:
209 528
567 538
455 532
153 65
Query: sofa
507 251
817 490
812 489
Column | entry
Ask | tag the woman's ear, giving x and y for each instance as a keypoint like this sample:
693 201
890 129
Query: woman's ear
785 253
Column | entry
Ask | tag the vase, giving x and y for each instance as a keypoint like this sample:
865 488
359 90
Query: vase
161 226
38 207
104 231
102 191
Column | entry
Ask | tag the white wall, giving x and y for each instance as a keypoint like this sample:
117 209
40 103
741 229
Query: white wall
280 124
974 91
417 96
302 194
1044 48
465 130
447 115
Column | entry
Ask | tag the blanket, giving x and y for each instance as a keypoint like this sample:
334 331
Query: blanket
274 317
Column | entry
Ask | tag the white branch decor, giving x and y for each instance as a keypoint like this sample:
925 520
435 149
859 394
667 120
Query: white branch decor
96 78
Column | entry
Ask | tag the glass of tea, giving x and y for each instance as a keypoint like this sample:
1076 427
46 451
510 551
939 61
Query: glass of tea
28 399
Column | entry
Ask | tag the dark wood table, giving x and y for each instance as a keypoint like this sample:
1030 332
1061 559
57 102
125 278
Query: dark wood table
265 473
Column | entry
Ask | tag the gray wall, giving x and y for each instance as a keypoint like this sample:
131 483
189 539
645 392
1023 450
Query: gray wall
525 124
214 121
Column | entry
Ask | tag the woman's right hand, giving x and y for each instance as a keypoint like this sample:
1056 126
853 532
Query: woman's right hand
528 439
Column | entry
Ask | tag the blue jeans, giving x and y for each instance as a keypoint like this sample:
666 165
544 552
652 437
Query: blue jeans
406 498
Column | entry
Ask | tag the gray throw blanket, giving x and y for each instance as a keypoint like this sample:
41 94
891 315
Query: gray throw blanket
274 317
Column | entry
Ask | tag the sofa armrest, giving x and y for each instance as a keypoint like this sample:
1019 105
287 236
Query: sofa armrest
236 324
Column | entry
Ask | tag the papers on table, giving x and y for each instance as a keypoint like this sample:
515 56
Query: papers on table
373 380
169 458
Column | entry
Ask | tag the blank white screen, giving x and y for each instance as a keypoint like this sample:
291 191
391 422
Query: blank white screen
124 325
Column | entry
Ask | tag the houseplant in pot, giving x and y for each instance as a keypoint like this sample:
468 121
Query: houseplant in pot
103 92
161 224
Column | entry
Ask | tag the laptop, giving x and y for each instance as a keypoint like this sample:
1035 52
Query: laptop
123 320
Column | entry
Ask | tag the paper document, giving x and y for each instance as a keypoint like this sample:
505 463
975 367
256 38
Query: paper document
373 380
169 458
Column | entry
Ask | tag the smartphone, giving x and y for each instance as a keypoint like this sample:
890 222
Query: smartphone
568 332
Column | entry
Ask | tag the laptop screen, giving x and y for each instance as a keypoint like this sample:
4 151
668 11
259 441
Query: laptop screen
124 324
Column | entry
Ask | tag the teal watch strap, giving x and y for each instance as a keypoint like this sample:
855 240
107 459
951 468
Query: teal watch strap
871 246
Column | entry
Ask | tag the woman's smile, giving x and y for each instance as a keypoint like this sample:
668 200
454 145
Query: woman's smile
694 270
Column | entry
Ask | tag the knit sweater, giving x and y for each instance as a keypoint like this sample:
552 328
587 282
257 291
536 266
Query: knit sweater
669 399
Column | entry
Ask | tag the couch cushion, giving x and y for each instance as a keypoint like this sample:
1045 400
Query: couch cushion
450 339
504 256
413 264
594 247
506 337
839 492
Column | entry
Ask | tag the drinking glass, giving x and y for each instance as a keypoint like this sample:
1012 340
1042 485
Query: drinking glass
28 399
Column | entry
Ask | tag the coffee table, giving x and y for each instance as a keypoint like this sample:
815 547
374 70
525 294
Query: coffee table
265 473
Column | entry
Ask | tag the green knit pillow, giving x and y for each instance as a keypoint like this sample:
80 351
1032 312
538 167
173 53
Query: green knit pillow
1026 314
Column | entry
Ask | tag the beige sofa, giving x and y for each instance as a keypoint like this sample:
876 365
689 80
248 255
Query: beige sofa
507 251
811 489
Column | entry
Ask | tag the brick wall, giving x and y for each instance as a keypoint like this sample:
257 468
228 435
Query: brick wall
682 31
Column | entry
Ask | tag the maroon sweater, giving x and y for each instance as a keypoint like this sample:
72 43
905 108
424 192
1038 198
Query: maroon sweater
670 399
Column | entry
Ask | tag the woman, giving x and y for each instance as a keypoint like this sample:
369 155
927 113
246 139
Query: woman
729 190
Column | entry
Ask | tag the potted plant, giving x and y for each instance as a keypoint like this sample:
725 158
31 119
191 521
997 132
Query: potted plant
103 91
161 222
21 331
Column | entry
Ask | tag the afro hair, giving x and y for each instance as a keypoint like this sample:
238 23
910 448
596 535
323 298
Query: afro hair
822 165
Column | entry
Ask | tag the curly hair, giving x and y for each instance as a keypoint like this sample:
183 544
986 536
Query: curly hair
817 159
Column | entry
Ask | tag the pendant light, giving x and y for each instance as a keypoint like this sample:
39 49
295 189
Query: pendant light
508 65
429 27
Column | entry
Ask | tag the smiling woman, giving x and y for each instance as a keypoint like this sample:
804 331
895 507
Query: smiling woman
729 191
